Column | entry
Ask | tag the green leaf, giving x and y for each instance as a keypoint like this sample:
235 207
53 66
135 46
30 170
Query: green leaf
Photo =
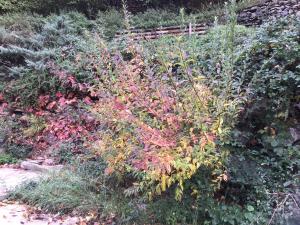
250 208
274 143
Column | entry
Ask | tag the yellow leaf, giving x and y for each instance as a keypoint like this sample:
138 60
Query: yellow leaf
163 183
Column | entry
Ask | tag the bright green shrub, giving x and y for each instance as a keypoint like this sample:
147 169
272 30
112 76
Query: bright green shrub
7 159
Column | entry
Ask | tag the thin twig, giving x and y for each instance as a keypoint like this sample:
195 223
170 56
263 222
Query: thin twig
277 208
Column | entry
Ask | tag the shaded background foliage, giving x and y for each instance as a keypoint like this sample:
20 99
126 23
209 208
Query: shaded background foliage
91 7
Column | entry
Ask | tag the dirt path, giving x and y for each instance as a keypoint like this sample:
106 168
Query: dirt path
12 213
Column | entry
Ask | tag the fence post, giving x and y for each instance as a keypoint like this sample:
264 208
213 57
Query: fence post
190 29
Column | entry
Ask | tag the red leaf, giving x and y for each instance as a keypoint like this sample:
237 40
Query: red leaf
87 100
43 100
58 94
51 105
1 98
119 106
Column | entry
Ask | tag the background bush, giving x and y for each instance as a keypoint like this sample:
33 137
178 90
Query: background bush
29 54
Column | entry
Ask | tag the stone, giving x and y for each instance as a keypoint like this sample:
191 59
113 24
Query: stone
34 166
49 162
268 9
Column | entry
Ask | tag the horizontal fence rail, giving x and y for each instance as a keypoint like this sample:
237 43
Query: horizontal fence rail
146 34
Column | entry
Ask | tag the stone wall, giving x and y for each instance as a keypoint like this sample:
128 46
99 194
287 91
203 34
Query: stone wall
260 13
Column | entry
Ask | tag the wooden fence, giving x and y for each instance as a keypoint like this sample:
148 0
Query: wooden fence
147 34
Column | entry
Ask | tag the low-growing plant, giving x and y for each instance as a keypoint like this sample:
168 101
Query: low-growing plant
61 192
35 126
19 151
64 152
170 121
7 159
31 59
10 135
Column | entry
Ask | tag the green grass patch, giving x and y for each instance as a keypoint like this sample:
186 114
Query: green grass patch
61 192
7 159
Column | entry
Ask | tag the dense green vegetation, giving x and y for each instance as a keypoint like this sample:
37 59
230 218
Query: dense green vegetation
108 20
7 159
178 130
91 7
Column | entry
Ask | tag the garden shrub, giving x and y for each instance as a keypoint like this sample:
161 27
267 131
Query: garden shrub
47 7
159 130
204 211
273 60
5 126
13 5
10 134
21 22
259 141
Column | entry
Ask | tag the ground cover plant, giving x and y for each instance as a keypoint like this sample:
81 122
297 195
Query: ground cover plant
179 130
7 159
